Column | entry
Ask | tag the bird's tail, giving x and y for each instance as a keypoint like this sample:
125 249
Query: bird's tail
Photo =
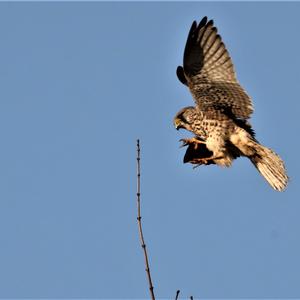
269 165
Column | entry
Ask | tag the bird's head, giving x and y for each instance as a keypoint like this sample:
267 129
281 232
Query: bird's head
184 118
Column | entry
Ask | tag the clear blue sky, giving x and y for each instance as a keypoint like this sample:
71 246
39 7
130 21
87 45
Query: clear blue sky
80 82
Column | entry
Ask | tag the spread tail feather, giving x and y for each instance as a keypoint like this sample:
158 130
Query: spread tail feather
270 166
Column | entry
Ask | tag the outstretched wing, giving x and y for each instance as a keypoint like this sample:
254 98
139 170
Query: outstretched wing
209 72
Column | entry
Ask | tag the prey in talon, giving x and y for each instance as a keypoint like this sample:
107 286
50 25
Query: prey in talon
197 154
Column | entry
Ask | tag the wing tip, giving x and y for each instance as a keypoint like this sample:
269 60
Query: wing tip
210 23
203 22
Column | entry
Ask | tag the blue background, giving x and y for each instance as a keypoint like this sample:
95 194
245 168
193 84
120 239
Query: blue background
80 82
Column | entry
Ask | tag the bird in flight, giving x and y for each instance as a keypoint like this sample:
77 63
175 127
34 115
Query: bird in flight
219 120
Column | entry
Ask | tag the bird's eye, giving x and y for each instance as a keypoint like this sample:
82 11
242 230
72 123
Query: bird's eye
185 119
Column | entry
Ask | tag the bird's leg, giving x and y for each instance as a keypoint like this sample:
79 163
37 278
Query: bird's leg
200 161
204 161
193 140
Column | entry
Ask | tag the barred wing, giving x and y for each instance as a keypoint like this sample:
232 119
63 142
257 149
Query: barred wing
209 72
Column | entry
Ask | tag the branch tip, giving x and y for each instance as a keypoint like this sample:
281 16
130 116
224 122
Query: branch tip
139 219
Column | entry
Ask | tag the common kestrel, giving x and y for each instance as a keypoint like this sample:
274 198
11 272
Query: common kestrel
220 118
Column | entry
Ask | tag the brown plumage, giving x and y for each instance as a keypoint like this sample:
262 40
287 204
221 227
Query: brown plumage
220 118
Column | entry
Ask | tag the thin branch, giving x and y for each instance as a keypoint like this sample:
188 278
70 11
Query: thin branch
139 219
177 295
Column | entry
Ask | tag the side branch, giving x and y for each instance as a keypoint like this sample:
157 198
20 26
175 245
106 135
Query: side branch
139 219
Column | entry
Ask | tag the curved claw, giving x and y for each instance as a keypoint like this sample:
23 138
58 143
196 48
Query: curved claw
184 142
197 166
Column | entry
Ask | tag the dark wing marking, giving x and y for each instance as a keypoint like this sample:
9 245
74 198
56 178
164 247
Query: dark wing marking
210 73
180 75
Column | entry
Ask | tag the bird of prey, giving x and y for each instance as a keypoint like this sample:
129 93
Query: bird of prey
219 120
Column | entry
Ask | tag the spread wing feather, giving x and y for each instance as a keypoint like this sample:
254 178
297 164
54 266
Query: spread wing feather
209 72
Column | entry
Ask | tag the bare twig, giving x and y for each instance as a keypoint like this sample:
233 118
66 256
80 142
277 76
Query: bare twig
177 294
139 219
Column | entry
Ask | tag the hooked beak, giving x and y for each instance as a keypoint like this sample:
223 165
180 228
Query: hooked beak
177 124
